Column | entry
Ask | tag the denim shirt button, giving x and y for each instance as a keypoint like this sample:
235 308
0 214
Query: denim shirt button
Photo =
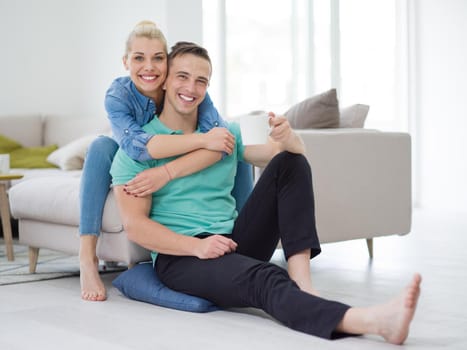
216 123
126 131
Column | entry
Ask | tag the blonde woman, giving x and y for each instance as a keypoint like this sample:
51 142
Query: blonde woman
131 102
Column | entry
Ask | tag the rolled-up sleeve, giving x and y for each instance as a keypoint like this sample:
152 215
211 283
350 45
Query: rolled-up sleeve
127 132
209 117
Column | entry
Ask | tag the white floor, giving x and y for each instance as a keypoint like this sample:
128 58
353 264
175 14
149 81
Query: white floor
50 314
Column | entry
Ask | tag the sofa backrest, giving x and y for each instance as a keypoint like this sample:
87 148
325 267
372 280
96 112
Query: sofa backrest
27 129
32 130
62 130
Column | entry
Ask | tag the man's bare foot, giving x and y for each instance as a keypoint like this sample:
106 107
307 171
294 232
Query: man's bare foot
394 317
390 320
92 287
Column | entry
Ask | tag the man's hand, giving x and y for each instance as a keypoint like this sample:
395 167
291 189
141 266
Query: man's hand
147 182
219 139
214 246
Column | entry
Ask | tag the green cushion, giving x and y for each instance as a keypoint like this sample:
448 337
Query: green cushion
32 157
7 145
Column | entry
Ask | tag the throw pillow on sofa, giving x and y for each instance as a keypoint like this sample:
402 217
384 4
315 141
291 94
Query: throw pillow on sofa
26 157
353 116
71 156
317 112
141 283
7 145
31 157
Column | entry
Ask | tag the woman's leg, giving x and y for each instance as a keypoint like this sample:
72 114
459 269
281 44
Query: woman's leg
281 206
94 188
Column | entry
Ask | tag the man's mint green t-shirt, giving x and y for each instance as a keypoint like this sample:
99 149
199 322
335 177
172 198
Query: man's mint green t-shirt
194 204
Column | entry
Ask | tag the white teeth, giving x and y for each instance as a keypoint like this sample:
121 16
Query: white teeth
145 77
186 98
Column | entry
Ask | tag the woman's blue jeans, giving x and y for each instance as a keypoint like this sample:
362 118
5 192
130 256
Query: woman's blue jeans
96 182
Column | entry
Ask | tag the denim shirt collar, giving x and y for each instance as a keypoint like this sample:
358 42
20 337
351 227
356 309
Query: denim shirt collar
145 102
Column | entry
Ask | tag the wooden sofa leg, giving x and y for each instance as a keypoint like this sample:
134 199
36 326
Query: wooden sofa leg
33 257
369 244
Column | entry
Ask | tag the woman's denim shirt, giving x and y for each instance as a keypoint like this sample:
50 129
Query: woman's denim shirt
128 110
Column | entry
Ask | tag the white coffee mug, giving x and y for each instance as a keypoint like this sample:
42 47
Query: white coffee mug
255 128
4 163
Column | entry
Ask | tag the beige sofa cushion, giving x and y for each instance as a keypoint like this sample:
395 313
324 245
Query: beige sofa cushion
60 196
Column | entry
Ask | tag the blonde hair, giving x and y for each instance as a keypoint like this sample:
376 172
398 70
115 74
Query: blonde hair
145 29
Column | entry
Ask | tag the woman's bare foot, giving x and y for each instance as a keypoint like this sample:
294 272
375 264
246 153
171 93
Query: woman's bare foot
397 314
92 287
390 320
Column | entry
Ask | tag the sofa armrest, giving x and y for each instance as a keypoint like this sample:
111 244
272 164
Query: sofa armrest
361 180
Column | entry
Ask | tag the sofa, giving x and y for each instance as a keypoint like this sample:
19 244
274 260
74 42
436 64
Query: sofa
46 200
361 179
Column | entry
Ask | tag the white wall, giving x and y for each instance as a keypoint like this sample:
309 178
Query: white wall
441 105
60 56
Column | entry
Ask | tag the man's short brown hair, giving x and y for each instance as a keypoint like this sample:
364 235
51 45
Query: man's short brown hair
185 47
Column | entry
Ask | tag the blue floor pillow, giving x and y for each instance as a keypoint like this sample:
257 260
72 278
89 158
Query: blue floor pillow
141 283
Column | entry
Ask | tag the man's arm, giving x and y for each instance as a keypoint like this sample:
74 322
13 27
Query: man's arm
134 212
281 138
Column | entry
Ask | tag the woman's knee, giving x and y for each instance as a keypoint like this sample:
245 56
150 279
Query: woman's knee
103 147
